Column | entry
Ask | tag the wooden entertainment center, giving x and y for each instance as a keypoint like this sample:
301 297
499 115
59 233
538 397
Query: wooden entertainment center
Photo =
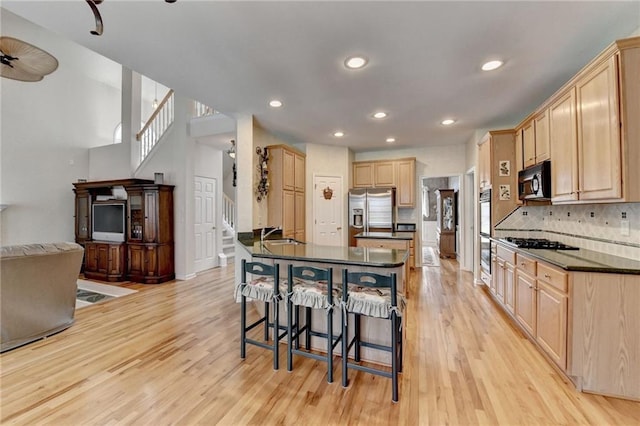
146 254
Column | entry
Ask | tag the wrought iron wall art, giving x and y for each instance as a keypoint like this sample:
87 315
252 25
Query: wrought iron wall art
93 4
262 188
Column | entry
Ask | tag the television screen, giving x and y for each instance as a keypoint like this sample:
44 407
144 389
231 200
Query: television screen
108 222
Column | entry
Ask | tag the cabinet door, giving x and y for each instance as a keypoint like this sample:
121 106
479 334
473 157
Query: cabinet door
406 183
529 144
299 173
114 263
551 331
135 217
526 302
500 280
564 148
484 164
299 216
509 287
91 257
83 218
103 258
599 156
541 124
519 163
288 214
135 261
288 170
362 175
150 230
384 173
494 275
150 266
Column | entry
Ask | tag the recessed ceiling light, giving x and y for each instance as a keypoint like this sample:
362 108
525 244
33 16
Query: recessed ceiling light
275 103
391 140
338 134
380 114
492 65
355 62
448 122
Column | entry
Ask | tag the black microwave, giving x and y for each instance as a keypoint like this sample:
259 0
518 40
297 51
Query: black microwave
534 183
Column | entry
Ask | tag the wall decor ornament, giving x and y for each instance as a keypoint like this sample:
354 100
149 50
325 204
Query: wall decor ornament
504 192
262 187
327 193
505 168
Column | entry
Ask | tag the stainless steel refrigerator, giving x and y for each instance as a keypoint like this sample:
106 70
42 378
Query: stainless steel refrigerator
371 210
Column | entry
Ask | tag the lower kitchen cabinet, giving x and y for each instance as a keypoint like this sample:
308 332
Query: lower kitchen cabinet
551 327
526 302
104 261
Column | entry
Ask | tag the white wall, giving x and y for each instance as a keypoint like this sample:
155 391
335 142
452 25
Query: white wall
326 160
47 129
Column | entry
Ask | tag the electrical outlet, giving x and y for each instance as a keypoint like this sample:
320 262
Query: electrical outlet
624 227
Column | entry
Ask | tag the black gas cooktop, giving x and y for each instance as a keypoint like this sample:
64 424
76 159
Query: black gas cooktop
538 243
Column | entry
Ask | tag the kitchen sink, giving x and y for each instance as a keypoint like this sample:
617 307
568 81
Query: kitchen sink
283 241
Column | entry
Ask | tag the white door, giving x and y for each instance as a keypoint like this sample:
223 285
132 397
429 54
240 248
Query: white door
205 223
328 211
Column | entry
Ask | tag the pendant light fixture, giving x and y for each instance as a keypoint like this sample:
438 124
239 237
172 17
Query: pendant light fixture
154 105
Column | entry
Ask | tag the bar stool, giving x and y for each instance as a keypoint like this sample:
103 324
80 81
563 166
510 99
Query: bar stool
311 288
371 295
261 288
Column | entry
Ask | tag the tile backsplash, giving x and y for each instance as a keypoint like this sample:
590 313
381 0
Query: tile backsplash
591 226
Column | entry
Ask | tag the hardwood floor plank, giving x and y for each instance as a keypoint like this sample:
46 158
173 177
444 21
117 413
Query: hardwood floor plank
169 354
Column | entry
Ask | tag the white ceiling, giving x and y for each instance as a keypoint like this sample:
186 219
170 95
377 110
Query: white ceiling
424 59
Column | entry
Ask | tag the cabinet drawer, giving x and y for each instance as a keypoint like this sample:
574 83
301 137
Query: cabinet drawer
553 277
506 254
526 265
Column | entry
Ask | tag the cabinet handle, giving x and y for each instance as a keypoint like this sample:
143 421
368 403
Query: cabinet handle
523 264
547 276
530 286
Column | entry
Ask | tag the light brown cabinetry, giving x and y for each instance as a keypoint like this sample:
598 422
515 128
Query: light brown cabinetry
400 174
519 164
387 243
541 308
594 131
503 277
104 261
529 144
83 216
286 199
541 137
495 150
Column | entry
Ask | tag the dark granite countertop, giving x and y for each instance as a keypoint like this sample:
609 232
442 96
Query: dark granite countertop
386 235
580 260
362 256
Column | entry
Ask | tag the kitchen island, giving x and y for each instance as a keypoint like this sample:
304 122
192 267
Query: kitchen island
377 260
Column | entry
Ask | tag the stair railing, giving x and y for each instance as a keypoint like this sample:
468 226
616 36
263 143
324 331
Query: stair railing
228 211
157 124
201 110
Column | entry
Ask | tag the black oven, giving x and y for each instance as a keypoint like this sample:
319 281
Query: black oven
485 231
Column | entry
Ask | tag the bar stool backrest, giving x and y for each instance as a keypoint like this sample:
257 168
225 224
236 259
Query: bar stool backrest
371 280
258 268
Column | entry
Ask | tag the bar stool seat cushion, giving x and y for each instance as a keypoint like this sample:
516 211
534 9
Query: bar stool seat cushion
313 294
373 302
260 288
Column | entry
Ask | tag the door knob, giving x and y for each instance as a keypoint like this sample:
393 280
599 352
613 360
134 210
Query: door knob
339 228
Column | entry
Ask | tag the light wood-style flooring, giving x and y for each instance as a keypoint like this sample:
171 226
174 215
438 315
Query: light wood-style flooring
169 354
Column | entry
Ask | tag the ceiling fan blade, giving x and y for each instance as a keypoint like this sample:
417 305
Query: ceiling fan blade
18 74
30 59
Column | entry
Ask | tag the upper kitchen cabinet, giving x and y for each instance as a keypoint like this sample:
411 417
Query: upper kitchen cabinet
519 165
286 191
529 144
595 131
406 183
484 163
541 137
400 174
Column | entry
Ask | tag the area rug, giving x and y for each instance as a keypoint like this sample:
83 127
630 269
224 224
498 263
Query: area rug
90 292
429 257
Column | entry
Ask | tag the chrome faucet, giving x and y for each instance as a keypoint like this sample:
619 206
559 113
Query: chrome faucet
263 235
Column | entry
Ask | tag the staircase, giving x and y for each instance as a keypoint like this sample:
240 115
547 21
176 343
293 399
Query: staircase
229 232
